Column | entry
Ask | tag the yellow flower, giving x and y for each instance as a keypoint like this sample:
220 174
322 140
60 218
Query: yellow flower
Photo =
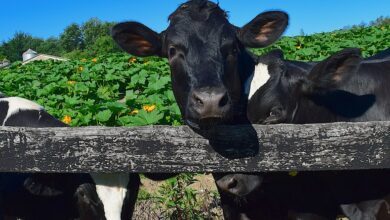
149 108
132 60
67 119
94 60
71 82
293 173
134 112
81 68
299 47
383 28
83 60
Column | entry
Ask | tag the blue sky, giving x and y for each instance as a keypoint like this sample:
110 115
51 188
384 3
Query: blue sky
45 18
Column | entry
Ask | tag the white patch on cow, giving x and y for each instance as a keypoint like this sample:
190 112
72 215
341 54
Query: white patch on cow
111 189
16 104
257 80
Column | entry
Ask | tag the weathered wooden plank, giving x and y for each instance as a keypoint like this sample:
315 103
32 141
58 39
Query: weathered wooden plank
178 149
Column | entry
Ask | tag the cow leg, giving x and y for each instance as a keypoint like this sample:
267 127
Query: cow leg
117 194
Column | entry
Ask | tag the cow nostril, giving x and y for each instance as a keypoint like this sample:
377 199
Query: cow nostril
197 99
232 183
224 100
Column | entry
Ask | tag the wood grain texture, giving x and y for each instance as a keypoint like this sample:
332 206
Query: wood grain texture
179 149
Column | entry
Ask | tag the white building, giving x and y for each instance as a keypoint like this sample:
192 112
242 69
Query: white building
4 63
31 55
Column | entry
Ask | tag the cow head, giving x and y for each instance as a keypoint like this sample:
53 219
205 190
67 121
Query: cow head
206 55
277 101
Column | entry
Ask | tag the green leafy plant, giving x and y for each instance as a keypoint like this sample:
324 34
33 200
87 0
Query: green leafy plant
121 90
177 200
112 90
317 47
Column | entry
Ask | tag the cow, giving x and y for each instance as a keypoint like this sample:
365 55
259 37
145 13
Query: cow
207 55
341 88
60 196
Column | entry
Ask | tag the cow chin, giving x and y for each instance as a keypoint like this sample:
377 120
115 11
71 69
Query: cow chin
208 123
205 124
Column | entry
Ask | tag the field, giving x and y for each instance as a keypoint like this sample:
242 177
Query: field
121 90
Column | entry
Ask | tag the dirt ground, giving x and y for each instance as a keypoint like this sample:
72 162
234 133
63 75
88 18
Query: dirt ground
145 210
204 182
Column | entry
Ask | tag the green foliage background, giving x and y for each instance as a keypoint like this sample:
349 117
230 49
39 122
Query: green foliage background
116 89
76 41
316 47
89 90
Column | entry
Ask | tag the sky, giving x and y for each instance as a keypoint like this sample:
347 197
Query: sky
46 18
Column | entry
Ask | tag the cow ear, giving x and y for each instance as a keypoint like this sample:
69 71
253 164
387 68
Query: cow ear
264 29
334 71
137 39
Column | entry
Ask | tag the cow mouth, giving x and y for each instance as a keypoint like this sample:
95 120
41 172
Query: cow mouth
205 123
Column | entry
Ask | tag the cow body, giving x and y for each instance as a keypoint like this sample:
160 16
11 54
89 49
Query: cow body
60 196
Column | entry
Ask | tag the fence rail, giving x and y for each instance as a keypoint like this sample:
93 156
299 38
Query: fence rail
284 147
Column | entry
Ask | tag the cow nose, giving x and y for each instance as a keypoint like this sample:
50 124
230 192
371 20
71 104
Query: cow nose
228 183
232 183
210 104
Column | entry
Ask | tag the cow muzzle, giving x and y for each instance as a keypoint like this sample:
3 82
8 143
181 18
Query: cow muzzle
209 103
239 184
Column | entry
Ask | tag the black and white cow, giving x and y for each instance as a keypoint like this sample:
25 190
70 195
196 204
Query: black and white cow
340 88
207 55
60 196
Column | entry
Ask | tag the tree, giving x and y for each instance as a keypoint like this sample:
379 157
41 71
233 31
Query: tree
51 46
14 48
380 21
72 38
104 45
2 54
93 29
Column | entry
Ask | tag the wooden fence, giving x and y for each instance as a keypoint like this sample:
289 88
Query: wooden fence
283 147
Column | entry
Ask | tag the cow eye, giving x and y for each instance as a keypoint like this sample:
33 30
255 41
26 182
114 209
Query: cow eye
275 112
234 51
171 51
